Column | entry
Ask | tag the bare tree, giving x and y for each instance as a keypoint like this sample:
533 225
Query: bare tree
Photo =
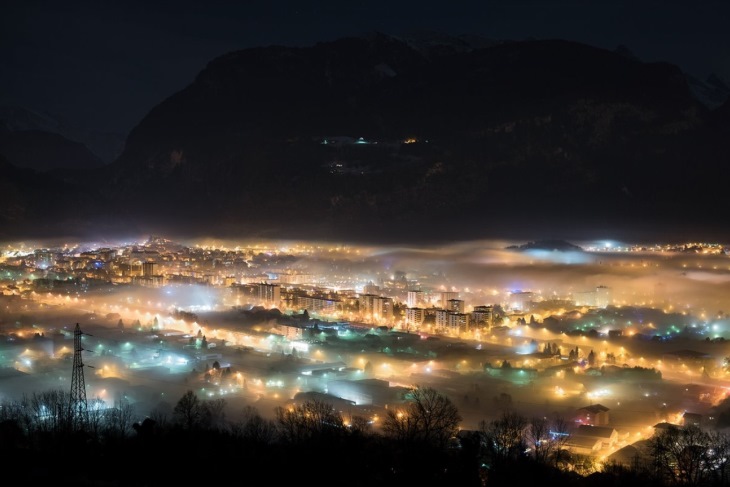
18 411
546 438
360 425
506 436
255 427
118 419
560 434
188 410
95 416
427 416
214 413
51 411
538 438
145 429
684 455
719 457
161 414
312 419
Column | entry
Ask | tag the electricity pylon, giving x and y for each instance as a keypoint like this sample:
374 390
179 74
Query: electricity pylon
78 410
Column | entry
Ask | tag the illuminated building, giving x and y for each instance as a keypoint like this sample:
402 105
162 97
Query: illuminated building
441 319
294 278
366 303
595 414
148 281
521 300
107 254
415 316
149 269
451 323
691 419
268 293
383 308
608 436
457 323
290 332
367 391
446 296
135 268
371 288
317 304
455 305
482 316
415 299
583 445
44 259
375 307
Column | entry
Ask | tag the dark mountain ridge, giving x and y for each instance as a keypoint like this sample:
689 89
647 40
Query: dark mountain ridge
375 138
46 151
34 204
105 146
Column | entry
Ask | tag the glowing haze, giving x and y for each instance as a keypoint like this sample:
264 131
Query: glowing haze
145 335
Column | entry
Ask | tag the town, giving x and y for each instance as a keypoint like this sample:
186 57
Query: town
615 346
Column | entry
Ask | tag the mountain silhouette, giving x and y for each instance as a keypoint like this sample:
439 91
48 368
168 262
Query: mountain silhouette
381 137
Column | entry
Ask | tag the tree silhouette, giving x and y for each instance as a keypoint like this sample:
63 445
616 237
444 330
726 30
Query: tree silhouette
507 451
427 417
188 411
312 420
255 428
145 429
507 436
546 438
689 455
214 413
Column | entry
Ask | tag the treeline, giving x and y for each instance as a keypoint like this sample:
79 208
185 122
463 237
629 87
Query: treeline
45 441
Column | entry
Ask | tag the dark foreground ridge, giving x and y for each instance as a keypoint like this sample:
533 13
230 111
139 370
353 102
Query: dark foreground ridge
312 444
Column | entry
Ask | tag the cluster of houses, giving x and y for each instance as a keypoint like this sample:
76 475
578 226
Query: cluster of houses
594 436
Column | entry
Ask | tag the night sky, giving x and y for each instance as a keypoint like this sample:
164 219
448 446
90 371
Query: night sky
105 64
